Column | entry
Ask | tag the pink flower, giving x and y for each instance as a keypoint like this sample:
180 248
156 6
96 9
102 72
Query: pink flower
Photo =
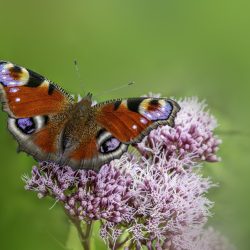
85 194
165 204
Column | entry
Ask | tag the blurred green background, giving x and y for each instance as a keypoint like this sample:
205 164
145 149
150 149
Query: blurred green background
177 48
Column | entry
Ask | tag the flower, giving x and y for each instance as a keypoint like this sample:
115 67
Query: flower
156 199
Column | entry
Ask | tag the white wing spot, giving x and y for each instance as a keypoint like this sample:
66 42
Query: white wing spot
143 120
134 127
14 90
17 99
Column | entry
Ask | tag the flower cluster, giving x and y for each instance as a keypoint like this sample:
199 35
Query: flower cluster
156 200
85 194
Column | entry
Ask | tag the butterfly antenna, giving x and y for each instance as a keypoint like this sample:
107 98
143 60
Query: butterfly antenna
115 89
78 74
77 69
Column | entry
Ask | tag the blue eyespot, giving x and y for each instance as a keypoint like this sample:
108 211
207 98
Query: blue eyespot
26 125
110 145
158 111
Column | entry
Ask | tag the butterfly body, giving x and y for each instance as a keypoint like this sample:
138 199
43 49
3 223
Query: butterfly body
49 125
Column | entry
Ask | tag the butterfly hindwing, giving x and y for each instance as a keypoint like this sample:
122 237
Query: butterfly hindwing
37 136
95 150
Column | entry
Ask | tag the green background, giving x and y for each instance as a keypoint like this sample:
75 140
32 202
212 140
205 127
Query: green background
178 48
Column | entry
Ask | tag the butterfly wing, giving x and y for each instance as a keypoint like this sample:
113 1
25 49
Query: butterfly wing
36 108
25 93
130 120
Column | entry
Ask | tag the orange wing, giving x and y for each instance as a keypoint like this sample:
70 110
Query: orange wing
25 93
130 120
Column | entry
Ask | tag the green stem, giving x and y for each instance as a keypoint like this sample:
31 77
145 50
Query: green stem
84 234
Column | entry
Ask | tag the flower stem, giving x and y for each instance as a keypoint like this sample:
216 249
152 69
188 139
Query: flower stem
84 233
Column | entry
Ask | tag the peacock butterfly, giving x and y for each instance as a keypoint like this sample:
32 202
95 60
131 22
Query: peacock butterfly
49 125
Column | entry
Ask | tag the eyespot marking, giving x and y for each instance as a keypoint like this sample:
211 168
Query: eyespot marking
26 125
154 102
156 109
15 72
12 75
109 145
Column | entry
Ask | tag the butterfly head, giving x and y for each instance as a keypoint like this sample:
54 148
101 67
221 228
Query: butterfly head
85 103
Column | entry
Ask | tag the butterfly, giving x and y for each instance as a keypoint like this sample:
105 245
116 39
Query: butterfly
50 125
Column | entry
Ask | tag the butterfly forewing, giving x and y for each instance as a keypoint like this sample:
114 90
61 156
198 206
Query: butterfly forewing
131 119
25 93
